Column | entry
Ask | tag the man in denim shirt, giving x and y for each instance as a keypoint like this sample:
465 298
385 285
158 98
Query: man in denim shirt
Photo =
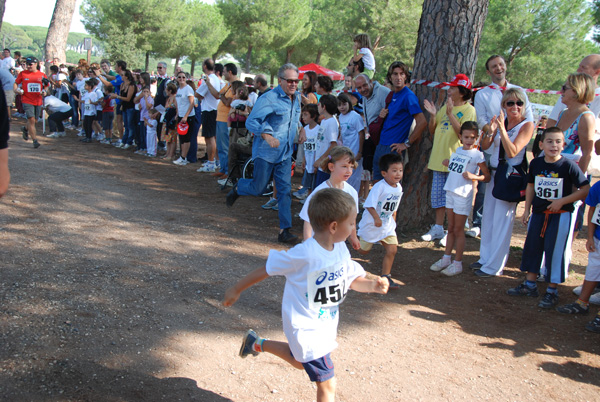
274 121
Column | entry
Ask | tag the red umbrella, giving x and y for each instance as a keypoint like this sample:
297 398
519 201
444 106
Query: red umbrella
320 71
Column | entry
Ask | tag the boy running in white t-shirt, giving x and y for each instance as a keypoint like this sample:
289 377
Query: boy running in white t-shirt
378 223
462 167
318 274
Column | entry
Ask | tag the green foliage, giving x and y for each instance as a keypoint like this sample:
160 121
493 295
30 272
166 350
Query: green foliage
542 40
14 37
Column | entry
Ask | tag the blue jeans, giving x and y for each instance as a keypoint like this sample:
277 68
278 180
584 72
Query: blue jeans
128 126
223 145
142 136
379 152
75 105
282 175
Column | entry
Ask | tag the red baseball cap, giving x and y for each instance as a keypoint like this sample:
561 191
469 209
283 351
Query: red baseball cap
182 128
460 80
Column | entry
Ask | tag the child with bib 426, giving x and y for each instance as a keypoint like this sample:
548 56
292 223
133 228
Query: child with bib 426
554 184
339 163
378 223
463 166
319 272
592 272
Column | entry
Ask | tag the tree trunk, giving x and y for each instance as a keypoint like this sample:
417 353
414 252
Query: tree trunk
248 57
318 59
147 61
447 44
193 66
176 63
288 54
58 31
2 8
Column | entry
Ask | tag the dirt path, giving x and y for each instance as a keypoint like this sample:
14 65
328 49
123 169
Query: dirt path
114 265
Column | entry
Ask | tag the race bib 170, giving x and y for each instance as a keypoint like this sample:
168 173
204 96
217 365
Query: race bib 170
327 287
34 87
548 188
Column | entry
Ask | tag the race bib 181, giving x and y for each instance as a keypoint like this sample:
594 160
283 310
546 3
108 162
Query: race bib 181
458 163
596 216
548 188
327 287
309 145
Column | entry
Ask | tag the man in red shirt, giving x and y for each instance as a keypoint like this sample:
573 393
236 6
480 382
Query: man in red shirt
32 95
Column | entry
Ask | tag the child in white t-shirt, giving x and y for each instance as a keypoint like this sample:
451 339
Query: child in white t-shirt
151 138
310 115
362 50
378 223
339 163
328 134
462 167
89 99
319 272
352 135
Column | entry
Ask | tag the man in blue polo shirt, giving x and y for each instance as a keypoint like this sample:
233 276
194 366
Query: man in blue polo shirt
403 109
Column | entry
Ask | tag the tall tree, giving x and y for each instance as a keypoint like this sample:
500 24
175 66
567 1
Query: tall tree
2 8
58 31
14 36
253 23
541 40
447 44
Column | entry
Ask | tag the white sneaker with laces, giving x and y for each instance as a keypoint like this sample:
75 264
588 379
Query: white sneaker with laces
439 265
434 233
180 162
208 168
443 240
54 135
453 269
473 232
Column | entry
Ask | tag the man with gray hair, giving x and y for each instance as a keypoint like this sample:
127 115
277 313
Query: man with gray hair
274 121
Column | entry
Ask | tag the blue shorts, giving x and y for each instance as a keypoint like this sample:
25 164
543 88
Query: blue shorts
438 194
320 370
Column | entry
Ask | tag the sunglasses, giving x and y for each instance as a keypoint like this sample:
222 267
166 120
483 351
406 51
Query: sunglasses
291 82
512 103
181 78
564 88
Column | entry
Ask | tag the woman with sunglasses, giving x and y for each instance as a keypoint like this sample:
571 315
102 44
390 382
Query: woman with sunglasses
185 114
577 121
513 134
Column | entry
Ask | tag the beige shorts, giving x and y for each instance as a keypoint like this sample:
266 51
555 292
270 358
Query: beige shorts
366 246
10 97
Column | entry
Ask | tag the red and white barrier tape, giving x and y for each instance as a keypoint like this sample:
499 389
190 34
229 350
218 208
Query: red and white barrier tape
434 84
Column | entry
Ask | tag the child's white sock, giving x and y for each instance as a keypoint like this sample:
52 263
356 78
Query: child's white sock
257 346
446 259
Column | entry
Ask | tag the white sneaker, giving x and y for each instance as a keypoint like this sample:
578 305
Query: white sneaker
443 241
225 181
207 168
180 162
473 232
54 135
126 146
439 265
453 269
595 298
433 234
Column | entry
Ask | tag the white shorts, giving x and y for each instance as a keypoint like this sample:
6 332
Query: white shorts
459 204
592 272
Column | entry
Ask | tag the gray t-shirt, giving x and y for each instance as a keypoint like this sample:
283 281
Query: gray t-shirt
373 105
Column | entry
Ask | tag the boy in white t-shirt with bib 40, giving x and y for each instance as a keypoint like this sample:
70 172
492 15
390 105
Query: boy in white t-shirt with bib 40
378 223
465 166
319 272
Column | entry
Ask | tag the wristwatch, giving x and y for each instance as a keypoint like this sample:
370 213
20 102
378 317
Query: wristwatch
407 144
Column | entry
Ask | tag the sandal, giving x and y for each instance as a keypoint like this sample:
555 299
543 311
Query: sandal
393 285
